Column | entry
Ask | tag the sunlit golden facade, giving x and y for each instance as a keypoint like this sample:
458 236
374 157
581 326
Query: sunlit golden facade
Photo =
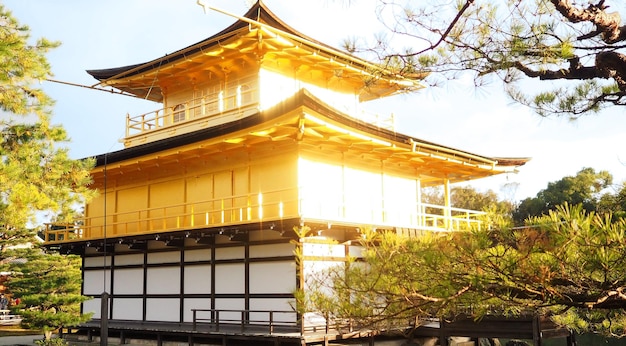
262 130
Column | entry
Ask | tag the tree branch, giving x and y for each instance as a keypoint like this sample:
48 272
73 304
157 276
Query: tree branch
575 71
607 24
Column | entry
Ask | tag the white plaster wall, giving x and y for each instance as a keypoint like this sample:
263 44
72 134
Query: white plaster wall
323 250
92 306
163 257
230 278
229 253
162 309
280 304
128 259
230 304
196 303
197 255
95 262
271 250
128 309
272 277
94 282
128 281
163 280
198 279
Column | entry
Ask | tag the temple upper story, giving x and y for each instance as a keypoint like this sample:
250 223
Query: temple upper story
250 66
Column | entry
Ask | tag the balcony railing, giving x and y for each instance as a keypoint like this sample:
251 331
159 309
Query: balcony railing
206 108
262 207
233 210
211 108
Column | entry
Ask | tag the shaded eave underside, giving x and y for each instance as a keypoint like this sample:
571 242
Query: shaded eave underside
121 77
305 120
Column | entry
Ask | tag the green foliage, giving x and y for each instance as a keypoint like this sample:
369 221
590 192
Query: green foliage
38 180
51 342
569 265
36 173
21 66
513 41
467 197
49 286
584 188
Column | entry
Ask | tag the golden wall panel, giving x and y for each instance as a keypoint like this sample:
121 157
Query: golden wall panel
239 185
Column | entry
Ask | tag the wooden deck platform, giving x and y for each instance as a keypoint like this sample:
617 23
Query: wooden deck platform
532 329
161 333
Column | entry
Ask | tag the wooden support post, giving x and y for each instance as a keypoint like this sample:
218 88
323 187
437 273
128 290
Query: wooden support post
571 339
104 319
443 336
243 321
536 331
447 211
194 314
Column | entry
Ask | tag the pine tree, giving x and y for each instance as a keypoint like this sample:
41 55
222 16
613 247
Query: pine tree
38 180
559 57
48 286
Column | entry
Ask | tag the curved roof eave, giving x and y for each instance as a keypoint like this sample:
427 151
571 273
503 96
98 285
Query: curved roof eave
304 99
259 13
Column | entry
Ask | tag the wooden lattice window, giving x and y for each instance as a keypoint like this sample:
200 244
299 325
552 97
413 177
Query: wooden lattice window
179 113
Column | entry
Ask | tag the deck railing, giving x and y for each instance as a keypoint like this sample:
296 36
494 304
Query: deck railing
287 321
250 208
258 320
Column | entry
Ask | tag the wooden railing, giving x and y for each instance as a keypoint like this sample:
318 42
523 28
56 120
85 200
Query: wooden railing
216 105
200 214
422 216
249 208
287 321
450 218
247 320
202 108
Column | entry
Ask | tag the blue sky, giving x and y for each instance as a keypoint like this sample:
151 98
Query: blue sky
103 34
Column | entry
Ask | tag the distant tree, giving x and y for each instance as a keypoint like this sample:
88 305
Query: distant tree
468 197
574 48
464 197
568 266
584 188
38 179
614 202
